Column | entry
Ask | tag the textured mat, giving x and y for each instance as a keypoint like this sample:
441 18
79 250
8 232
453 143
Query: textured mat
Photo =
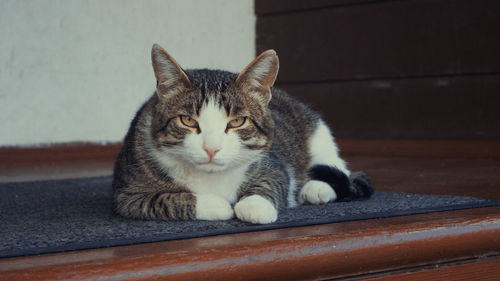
73 214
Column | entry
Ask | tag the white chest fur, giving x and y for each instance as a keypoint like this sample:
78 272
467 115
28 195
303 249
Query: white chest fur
224 184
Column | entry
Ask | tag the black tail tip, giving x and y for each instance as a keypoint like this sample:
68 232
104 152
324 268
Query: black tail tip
361 183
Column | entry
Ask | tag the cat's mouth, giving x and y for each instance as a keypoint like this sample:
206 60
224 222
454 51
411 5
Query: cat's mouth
210 163
210 166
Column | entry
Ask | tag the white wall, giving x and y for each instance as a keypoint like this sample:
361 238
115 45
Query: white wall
79 70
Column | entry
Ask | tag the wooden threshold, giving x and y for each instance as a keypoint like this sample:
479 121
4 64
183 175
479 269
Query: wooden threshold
484 269
313 252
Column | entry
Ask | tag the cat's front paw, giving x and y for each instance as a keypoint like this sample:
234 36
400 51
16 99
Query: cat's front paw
212 207
316 192
256 209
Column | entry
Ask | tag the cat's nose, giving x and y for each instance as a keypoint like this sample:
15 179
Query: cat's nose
211 152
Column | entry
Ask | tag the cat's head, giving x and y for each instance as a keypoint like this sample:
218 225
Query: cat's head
213 120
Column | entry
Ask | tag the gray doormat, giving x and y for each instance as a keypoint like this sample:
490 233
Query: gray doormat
74 214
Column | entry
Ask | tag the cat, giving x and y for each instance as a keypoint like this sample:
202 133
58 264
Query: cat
212 145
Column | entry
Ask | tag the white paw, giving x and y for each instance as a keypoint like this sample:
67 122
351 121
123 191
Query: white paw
212 207
316 192
256 209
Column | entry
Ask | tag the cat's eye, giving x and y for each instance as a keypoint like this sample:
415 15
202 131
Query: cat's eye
237 122
188 121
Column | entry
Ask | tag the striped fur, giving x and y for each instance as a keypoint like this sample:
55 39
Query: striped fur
172 170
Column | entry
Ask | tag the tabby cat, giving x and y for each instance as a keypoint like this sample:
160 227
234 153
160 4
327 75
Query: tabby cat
211 145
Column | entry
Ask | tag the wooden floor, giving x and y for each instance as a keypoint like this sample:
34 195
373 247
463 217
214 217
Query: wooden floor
458 245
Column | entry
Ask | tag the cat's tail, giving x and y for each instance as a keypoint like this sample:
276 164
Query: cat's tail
355 186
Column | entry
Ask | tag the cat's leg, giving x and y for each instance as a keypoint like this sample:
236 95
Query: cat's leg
261 197
171 206
324 153
323 149
330 179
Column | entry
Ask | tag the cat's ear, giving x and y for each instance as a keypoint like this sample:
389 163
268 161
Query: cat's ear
170 78
259 76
